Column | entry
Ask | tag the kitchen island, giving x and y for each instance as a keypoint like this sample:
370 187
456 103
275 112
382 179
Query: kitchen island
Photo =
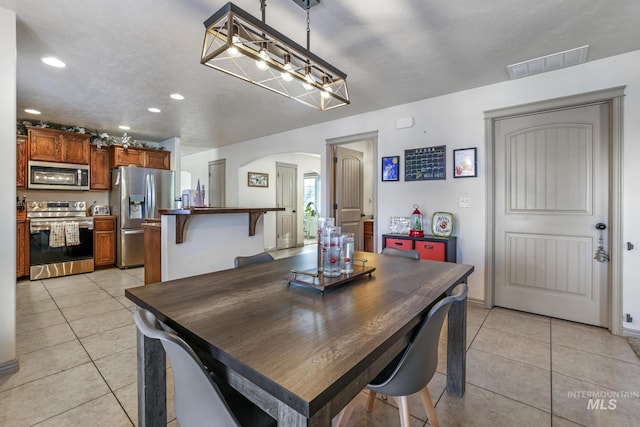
200 240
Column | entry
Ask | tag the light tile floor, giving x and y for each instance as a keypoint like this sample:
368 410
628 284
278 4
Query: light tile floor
76 346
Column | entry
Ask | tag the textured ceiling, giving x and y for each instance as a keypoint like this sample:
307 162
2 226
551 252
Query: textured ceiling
125 56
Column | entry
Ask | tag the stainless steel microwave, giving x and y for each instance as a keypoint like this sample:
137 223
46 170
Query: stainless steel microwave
58 176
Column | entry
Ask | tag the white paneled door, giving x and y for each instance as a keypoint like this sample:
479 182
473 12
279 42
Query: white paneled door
348 192
551 189
286 221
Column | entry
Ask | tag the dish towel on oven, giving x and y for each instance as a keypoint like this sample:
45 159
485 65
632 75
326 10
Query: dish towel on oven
56 235
72 233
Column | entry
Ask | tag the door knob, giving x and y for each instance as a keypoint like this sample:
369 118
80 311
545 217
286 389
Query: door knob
601 226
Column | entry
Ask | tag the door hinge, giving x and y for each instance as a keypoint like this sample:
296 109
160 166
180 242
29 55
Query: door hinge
335 206
335 160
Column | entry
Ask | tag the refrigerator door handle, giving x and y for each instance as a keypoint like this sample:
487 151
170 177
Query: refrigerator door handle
147 196
133 231
154 208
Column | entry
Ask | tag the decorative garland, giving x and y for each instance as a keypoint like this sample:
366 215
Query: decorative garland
98 139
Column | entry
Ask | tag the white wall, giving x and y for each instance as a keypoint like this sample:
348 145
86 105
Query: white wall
256 197
457 121
8 190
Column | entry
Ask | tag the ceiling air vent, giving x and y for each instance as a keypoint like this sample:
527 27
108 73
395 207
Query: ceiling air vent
551 62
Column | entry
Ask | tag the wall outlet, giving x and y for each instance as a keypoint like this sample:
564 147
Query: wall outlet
465 202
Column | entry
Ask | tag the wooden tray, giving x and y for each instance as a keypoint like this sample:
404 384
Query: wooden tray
315 279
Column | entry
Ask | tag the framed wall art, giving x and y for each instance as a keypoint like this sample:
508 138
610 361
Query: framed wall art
423 164
258 179
391 168
465 163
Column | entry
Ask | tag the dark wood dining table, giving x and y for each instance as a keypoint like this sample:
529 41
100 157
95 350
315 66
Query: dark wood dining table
299 354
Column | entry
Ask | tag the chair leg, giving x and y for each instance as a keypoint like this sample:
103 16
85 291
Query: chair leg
345 414
372 401
403 406
428 407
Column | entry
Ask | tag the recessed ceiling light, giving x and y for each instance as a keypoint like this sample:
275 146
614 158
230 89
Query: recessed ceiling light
176 96
54 62
30 111
154 110
124 127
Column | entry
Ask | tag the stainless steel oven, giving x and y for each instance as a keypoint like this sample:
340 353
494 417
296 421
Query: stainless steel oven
61 239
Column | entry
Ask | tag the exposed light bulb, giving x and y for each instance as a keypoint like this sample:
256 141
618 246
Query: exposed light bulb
307 84
233 50
261 64
326 89
286 75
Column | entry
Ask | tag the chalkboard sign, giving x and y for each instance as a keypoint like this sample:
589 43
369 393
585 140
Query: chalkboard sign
423 164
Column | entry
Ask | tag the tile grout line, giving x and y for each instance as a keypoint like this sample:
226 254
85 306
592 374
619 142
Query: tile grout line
93 362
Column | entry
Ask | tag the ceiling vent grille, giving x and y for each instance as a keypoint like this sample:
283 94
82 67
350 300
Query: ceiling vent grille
551 62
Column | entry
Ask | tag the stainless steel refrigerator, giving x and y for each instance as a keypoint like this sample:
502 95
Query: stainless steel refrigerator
136 195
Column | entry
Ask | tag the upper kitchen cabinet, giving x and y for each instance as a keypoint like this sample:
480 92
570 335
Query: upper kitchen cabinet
157 159
52 145
21 161
100 172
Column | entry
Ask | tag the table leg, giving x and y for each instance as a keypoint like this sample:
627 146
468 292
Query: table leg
152 382
457 348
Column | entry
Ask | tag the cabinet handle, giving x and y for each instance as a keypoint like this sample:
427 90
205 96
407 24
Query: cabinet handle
397 243
428 246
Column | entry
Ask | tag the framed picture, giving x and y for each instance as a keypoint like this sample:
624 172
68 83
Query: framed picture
257 179
465 163
391 168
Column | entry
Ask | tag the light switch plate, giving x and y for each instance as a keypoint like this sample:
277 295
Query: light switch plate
465 202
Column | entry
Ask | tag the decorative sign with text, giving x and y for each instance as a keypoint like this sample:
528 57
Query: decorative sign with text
423 164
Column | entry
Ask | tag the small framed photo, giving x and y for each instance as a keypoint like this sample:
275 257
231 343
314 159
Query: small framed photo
391 168
465 163
258 179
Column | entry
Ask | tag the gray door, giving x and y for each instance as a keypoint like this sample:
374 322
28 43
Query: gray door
217 183
348 192
286 221
551 189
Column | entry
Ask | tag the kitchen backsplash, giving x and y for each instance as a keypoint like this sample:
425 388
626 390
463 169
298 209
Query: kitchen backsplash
100 197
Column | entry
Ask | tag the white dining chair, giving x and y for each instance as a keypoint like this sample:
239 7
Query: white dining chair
200 398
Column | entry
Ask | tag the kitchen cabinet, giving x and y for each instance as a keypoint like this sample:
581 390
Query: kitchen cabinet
52 145
104 240
157 159
152 252
21 161
100 173
434 248
368 235
22 247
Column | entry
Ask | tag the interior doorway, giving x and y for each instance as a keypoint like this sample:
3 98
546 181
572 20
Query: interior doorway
217 183
311 196
286 221
352 185
514 185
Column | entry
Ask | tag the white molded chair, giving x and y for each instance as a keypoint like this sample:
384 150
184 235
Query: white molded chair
413 368
241 261
199 398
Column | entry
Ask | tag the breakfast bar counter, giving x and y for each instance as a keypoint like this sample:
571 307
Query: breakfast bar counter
200 240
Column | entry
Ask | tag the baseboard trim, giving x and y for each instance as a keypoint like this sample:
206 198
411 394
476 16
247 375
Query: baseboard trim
477 302
626 332
9 367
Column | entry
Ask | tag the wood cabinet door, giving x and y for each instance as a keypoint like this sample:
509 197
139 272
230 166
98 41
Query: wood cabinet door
45 145
99 166
125 157
22 248
104 241
157 159
21 161
75 148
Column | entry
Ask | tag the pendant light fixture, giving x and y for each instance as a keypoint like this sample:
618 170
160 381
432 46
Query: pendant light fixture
239 44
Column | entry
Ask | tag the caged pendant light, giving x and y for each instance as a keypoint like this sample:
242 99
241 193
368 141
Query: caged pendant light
238 44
